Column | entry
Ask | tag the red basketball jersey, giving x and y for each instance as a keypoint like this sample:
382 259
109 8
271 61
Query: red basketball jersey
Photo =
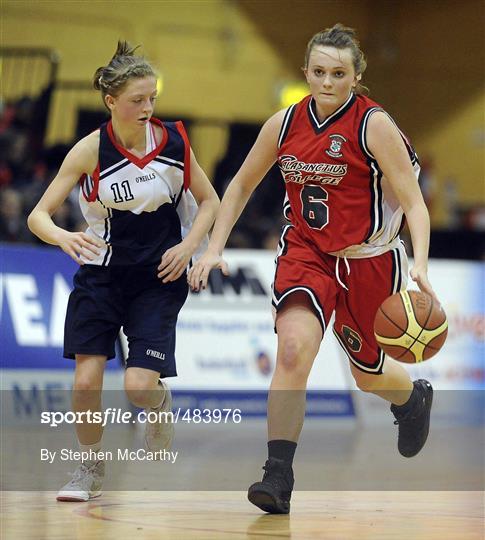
337 197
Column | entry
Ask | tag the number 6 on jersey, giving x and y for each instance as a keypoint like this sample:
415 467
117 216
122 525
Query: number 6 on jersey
314 209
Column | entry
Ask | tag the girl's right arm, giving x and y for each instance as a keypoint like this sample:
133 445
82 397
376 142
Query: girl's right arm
257 163
81 159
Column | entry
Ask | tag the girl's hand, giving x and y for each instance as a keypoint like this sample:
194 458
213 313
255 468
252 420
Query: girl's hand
76 244
199 273
174 261
419 274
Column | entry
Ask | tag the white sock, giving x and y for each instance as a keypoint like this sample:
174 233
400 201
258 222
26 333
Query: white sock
92 449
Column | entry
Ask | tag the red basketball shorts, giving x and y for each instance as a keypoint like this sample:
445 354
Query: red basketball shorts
353 288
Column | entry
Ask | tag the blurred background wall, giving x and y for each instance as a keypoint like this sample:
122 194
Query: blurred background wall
225 67
224 64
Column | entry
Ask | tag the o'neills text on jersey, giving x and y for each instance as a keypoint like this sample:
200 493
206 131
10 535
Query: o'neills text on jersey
300 172
145 178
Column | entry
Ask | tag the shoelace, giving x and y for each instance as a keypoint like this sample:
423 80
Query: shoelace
275 476
155 427
412 414
79 473
82 476
84 470
406 419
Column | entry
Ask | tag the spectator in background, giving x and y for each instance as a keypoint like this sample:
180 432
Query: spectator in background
427 182
261 212
13 226
450 203
15 136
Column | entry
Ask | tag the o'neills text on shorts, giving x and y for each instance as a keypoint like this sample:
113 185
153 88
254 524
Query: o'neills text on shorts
156 354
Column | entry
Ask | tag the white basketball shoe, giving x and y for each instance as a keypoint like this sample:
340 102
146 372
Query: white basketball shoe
159 433
86 483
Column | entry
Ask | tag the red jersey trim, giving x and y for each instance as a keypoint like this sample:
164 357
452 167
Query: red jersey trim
139 162
94 191
183 133
82 184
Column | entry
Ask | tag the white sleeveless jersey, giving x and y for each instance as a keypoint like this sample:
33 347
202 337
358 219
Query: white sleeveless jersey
139 207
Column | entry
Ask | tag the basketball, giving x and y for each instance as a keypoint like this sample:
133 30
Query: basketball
410 326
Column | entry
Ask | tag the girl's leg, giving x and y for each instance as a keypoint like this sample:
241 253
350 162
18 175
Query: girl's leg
86 395
88 478
145 389
411 402
299 338
142 387
393 384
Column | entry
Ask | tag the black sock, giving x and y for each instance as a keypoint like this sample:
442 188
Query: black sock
410 403
282 449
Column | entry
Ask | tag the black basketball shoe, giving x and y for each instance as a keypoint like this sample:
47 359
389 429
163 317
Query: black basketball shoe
273 493
414 422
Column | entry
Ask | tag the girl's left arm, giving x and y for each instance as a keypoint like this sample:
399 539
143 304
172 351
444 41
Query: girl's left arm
386 144
175 260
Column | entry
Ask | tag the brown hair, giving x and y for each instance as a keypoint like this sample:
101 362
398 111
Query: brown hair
341 37
124 66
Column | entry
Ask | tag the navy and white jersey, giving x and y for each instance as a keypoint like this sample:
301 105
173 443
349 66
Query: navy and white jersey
139 207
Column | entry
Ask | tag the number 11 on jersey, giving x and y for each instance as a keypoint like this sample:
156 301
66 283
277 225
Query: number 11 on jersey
117 192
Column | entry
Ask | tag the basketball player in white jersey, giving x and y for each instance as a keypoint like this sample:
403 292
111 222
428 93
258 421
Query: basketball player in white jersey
148 206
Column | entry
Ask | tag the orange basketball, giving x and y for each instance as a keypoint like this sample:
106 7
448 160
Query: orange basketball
410 326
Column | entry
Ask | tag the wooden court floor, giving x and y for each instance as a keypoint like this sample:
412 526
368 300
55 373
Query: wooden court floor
346 515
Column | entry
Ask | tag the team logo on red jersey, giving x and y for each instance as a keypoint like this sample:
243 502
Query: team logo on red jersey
352 338
335 145
300 172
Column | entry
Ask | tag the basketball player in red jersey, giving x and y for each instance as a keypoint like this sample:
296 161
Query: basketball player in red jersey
351 177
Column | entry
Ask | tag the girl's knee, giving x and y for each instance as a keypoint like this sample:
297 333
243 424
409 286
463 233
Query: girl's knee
295 358
140 388
86 390
289 351
89 373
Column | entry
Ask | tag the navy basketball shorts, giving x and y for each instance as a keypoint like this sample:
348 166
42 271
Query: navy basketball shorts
105 299
369 281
